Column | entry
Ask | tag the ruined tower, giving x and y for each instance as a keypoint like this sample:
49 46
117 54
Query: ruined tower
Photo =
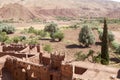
56 61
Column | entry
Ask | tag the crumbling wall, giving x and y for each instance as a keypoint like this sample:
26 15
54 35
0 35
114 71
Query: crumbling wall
21 70
49 69
13 47
45 61
67 72
20 55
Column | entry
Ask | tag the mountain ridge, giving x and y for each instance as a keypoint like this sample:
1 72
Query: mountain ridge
30 9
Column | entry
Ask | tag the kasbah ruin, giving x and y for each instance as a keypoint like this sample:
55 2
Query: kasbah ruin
20 65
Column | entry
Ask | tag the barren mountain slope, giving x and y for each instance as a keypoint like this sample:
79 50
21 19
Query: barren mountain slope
15 11
29 9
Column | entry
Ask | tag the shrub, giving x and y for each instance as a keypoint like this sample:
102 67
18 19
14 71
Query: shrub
115 45
79 56
9 29
3 37
58 35
8 41
48 48
118 50
86 36
91 52
42 33
97 59
16 39
32 41
31 30
22 38
24 31
110 35
51 28
75 26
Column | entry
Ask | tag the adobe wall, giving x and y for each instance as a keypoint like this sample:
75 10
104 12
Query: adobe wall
13 47
20 55
18 47
67 72
21 70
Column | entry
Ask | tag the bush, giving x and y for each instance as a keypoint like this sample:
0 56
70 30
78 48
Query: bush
79 56
118 50
115 45
32 41
104 62
51 28
110 35
58 35
9 29
31 30
22 38
48 48
16 39
42 33
8 41
86 36
97 59
75 26
3 37
91 52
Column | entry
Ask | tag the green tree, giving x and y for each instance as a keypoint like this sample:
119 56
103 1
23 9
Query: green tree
51 28
9 29
58 35
104 48
86 36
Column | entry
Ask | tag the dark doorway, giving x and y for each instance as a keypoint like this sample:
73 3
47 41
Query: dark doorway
51 77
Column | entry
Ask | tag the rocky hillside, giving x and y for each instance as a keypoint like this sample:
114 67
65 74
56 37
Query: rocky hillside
49 9
15 11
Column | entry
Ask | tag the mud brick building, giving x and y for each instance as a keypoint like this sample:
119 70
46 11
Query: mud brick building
48 69
53 67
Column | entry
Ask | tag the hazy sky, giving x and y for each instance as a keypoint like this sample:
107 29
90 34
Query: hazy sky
116 0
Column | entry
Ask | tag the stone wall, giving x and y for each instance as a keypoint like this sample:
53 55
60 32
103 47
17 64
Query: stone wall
22 70
13 47
67 72
20 55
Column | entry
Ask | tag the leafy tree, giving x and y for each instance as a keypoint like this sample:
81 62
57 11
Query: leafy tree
58 35
86 36
104 48
51 28
9 29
